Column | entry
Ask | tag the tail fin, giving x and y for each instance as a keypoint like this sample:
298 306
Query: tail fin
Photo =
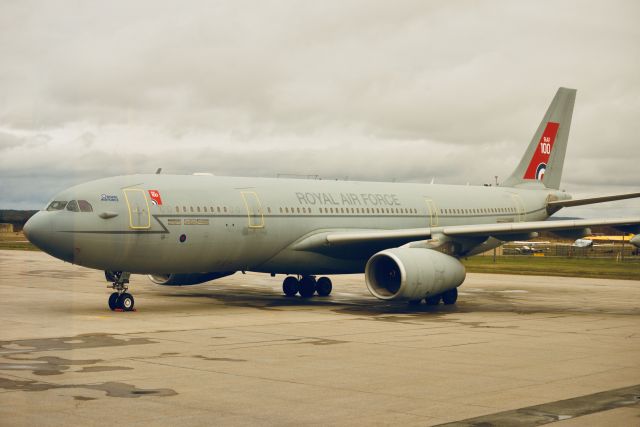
544 157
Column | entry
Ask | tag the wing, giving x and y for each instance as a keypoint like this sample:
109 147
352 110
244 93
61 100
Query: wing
511 228
372 240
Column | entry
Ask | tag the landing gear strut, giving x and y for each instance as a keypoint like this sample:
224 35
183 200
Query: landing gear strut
120 299
306 286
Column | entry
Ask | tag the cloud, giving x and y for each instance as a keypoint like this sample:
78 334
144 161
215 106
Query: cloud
404 91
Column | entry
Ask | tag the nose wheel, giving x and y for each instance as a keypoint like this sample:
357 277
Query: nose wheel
120 300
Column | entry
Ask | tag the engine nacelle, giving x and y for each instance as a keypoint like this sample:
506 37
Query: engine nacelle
412 274
635 241
186 279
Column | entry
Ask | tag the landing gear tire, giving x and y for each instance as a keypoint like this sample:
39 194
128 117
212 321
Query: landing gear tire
450 297
433 300
126 302
113 301
307 287
324 286
290 286
120 299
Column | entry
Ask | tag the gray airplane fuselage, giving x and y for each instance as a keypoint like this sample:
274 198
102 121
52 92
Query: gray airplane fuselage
220 224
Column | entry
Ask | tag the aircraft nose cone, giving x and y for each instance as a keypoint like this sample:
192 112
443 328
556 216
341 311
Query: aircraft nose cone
37 230
26 229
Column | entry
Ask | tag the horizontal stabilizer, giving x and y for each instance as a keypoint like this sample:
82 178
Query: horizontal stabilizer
591 200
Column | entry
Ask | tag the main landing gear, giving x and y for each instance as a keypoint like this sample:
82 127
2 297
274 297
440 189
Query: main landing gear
307 286
448 298
120 299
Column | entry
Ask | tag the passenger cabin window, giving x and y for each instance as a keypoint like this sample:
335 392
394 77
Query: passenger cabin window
85 206
73 206
56 205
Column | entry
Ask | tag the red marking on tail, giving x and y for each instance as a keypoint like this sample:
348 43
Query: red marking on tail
155 197
540 158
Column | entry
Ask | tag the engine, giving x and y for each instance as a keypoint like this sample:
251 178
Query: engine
412 273
636 241
186 279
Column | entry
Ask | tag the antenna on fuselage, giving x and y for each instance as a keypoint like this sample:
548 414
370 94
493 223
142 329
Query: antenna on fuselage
158 171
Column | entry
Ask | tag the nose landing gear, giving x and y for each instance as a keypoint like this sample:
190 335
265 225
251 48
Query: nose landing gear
120 299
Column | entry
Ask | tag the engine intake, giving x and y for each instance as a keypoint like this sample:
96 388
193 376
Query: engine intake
186 279
412 273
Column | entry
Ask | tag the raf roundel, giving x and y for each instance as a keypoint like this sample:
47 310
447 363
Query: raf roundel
540 170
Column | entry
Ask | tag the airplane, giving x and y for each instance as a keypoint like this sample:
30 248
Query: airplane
407 238
528 250
582 243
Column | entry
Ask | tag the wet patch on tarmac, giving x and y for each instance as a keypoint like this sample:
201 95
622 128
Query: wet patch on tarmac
104 369
57 274
69 343
46 365
218 359
51 365
111 389
83 398
323 341
557 411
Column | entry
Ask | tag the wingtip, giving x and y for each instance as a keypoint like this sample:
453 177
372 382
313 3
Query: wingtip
566 89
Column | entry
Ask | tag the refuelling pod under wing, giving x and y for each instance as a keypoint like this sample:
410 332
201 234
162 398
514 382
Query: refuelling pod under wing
412 273
186 279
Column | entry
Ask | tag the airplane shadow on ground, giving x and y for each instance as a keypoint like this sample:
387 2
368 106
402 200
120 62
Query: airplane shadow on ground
489 302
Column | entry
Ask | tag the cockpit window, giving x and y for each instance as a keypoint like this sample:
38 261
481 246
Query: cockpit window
56 205
85 206
73 206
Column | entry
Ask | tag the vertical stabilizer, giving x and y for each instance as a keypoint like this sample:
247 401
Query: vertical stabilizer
544 157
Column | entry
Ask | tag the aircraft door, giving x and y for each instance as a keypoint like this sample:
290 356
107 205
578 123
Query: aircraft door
139 215
254 209
519 205
433 212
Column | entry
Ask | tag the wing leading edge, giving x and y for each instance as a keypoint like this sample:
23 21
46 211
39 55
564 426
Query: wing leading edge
326 239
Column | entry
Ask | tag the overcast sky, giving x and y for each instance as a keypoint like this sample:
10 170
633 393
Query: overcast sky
393 90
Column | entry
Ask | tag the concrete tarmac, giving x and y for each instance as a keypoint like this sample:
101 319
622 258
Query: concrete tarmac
515 350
